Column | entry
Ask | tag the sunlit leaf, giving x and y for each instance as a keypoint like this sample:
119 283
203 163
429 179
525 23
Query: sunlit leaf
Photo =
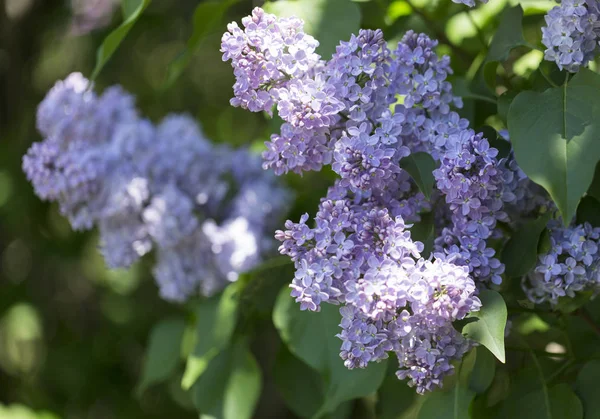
231 384
208 16
554 136
329 21
215 321
488 329
114 39
162 354
587 388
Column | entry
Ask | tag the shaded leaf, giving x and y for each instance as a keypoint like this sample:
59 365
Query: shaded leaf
483 372
588 211
290 374
162 354
329 21
243 388
509 35
554 136
520 253
420 167
395 397
448 404
208 16
231 384
588 390
423 231
594 189
311 337
570 304
559 403
114 39
215 322
489 327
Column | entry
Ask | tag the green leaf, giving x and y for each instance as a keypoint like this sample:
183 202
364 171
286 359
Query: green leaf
453 404
208 16
311 337
488 329
563 404
329 21
555 138
243 388
420 167
448 404
395 397
290 374
231 384
509 35
521 251
504 102
587 388
594 189
500 388
162 354
588 211
483 372
135 8
570 304
423 231
215 321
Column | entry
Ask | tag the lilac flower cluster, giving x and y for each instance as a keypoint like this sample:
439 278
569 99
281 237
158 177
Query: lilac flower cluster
470 3
362 257
204 208
572 33
570 266
360 254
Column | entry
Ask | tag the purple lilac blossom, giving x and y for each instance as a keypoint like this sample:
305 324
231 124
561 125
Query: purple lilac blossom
572 33
570 266
470 3
205 209
360 253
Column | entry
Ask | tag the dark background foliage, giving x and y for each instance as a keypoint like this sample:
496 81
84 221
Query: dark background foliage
73 334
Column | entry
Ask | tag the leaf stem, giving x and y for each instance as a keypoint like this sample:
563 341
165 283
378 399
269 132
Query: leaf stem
565 106
475 96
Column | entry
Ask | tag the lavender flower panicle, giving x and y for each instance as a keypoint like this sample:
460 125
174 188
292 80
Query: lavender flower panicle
572 33
359 254
146 187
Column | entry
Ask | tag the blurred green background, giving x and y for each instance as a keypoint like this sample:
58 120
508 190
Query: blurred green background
73 334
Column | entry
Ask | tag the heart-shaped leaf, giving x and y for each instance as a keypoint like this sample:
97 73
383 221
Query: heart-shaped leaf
488 328
555 138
